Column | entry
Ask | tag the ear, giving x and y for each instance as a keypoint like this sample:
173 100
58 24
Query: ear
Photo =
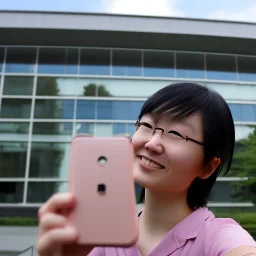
211 167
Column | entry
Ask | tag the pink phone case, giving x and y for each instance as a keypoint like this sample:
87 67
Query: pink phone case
106 209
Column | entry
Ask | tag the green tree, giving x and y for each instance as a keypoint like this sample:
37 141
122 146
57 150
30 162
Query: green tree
244 165
96 90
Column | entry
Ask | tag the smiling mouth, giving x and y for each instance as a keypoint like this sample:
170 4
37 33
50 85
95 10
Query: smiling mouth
151 163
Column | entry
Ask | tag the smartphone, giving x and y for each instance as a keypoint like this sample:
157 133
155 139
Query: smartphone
102 181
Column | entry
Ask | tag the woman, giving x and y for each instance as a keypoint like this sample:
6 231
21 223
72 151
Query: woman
184 139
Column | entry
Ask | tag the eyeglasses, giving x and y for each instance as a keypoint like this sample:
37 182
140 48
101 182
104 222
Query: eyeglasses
147 130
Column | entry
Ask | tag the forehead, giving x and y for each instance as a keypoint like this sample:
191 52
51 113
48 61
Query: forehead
195 118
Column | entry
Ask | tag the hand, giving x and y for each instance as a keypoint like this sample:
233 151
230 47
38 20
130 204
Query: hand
56 235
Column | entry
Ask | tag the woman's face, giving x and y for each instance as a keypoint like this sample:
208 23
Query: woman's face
169 162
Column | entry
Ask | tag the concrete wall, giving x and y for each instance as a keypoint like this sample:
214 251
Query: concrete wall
14 240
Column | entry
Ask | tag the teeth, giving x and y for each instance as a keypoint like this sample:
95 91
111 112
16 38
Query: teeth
150 163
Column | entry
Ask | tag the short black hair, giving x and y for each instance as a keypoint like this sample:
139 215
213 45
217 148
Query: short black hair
180 100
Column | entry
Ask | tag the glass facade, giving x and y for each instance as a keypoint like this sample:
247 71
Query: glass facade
50 94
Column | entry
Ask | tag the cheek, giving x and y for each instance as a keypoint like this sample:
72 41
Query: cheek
185 162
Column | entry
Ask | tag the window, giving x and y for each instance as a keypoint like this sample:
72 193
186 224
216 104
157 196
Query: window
58 61
13 108
123 128
11 192
158 64
52 131
190 65
85 128
13 159
95 62
118 110
221 67
13 131
18 85
20 60
49 160
85 109
243 112
51 109
247 68
40 192
126 63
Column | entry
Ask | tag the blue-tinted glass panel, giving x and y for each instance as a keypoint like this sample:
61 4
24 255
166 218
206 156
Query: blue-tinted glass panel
126 63
51 109
221 67
85 109
131 128
58 61
158 64
236 111
13 108
248 113
118 110
124 128
95 62
247 68
243 112
20 60
119 128
1 58
190 65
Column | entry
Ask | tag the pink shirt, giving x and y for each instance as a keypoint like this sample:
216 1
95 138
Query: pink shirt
199 234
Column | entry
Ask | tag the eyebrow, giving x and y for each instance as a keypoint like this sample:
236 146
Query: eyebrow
182 121
188 125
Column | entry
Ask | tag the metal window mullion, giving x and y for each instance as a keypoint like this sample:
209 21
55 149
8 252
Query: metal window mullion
25 191
3 77
111 62
78 61
74 117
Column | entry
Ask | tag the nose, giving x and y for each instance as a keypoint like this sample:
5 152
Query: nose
155 143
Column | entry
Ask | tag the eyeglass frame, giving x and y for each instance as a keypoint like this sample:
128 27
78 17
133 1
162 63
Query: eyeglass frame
138 124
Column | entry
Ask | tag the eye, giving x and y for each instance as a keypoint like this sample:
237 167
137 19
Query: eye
146 125
176 133
143 125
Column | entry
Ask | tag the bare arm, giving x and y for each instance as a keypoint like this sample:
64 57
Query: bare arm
242 251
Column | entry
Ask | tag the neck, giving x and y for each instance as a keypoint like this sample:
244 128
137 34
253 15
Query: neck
162 211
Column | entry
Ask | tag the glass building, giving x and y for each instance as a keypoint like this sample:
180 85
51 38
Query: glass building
67 74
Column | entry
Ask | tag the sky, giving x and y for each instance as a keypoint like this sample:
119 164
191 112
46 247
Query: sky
235 10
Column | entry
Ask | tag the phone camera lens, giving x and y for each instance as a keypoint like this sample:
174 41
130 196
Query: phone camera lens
101 188
102 160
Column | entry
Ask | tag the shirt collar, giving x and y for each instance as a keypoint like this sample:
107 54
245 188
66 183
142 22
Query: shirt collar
187 229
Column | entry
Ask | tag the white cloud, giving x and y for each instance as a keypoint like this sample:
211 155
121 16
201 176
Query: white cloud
144 7
247 14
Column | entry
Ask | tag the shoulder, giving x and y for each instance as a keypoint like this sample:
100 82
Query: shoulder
223 235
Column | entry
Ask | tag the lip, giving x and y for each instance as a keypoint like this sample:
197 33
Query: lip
149 168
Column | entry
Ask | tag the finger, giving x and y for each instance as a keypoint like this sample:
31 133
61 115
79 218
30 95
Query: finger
58 202
49 241
51 220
